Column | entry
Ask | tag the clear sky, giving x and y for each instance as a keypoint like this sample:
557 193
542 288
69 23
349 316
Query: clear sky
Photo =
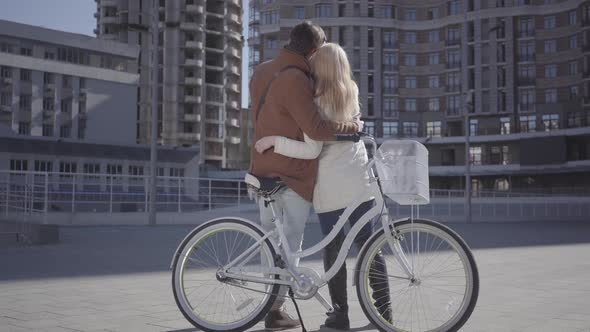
78 16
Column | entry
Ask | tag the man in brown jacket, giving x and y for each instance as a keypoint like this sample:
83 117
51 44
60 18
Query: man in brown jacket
282 97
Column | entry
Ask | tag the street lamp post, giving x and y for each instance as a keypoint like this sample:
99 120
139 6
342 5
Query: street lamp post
467 109
154 114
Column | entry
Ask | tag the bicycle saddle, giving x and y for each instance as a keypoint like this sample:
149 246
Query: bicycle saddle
264 185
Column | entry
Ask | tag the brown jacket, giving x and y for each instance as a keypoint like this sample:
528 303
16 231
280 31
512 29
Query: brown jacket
289 110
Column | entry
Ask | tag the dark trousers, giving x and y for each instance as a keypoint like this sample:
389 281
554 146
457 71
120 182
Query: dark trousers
337 286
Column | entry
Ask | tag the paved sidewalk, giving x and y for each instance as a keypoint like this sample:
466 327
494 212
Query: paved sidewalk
534 277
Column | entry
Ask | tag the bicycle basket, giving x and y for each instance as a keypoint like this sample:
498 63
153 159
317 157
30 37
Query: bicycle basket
402 166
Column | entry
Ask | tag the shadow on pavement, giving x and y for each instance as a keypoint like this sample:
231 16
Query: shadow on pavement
108 250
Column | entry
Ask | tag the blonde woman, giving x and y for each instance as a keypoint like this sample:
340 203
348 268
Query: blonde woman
341 173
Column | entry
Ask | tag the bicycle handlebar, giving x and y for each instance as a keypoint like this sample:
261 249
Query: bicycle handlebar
358 137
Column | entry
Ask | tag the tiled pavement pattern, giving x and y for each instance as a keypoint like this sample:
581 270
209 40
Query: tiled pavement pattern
534 277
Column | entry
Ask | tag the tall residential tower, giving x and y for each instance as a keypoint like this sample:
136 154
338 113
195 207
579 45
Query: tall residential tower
200 70
521 66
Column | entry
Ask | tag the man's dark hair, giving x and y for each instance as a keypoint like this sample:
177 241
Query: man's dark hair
306 37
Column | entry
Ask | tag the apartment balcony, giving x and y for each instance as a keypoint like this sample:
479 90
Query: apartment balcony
233 70
453 88
453 42
526 107
192 117
234 35
190 26
234 18
195 9
234 87
232 51
526 81
193 81
454 65
234 2
5 109
193 62
6 80
192 99
233 140
526 33
193 44
390 91
108 3
190 136
48 116
233 104
233 123
109 20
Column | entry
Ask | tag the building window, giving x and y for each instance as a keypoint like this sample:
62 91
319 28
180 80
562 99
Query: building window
24 128
48 103
388 39
574 119
369 128
271 42
81 128
43 166
410 129
270 17
453 105
389 61
135 170
573 41
82 83
573 68
323 10
433 82
48 78
475 155
47 130
528 123
505 126
19 165
386 11
473 124
574 92
572 17
433 129
499 155
410 82
6 99
550 71
25 75
113 169
176 172
66 105
410 37
455 7
433 104
410 14
433 36
550 122
25 102
26 51
389 84
433 13
410 60
390 129
549 22
389 107
527 100
68 167
433 59
91 168
5 72
65 131
550 46
410 105
550 96
300 12
526 27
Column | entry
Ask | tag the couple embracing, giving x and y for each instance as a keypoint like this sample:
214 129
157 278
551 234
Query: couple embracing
301 100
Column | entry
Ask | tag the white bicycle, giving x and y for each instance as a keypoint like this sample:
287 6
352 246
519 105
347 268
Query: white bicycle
227 272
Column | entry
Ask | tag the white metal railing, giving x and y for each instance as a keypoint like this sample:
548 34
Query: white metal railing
27 195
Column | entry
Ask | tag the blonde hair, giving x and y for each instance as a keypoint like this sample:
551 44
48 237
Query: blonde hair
336 92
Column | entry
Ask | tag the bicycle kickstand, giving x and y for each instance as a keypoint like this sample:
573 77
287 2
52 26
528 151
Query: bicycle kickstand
297 309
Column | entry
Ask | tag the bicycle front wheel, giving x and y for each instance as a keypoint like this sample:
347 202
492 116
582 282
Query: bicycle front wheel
441 294
216 304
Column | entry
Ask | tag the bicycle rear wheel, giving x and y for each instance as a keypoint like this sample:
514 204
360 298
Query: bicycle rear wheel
214 304
443 292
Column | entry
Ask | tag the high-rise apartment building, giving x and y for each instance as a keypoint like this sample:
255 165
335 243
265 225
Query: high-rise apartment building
65 85
200 46
521 66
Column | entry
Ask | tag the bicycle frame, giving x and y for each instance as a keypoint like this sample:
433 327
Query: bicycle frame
379 209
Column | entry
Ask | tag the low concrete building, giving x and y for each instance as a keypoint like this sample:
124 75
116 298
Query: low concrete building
67 85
